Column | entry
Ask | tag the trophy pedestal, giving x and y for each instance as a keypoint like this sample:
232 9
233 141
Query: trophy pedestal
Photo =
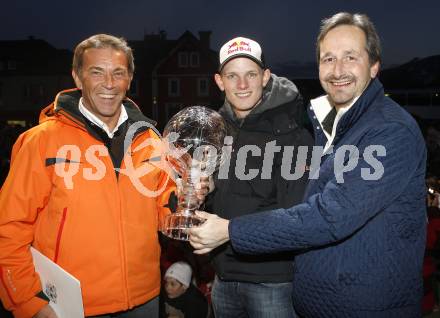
175 225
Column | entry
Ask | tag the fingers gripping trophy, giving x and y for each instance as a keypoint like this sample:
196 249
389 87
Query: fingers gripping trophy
195 136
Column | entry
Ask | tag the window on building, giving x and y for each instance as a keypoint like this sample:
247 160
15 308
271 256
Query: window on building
12 65
419 99
400 98
134 88
27 90
202 87
171 109
41 90
182 59
21 123
195 59
155 109
1 94
435 98
173 87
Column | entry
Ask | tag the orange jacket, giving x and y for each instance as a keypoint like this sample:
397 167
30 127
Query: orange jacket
100 228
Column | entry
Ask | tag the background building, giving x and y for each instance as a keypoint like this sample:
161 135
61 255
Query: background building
173 74
169 75
31 73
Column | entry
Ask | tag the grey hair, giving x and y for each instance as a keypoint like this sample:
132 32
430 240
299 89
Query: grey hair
102 41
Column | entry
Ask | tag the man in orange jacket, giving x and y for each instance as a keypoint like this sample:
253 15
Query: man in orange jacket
86 190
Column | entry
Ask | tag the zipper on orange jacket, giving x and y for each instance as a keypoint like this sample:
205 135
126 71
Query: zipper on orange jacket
60 232
122 243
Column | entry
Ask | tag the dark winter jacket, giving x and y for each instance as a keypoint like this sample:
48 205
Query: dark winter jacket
362 241
276 119
191 304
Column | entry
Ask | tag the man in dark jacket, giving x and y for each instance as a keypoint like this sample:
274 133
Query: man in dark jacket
263 113
361 231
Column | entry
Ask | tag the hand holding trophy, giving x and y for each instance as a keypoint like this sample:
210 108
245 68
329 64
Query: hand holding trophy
195 136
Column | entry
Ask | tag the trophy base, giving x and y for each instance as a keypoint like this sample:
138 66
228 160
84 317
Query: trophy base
176 225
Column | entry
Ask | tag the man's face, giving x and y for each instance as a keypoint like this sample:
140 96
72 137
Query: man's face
243 81
344 65
173 287
104 81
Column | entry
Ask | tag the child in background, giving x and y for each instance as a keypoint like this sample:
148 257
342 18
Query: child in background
180 298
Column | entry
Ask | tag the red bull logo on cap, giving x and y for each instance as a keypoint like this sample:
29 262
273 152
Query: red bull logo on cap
239 46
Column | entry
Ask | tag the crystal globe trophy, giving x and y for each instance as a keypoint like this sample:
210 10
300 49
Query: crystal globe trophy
195 136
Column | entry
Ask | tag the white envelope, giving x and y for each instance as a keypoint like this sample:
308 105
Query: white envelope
63 290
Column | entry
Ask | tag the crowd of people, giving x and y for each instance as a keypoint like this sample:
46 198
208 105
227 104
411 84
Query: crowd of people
344 239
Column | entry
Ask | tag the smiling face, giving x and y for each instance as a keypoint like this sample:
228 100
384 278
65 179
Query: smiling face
243 82
344 65
173 287
104 81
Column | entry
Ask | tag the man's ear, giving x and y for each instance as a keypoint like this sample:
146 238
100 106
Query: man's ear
77 80
266 77
219 81
374 69
129 82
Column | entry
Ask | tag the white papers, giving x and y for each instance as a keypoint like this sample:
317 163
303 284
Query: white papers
63 290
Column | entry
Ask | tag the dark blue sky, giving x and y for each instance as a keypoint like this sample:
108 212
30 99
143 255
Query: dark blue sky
286 29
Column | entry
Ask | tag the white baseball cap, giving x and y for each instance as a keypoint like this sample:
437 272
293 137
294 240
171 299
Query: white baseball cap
181 272
241 47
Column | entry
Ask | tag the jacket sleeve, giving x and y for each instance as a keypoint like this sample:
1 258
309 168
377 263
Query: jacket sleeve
167 200
289 187
290 176
197 304
341 208
23 195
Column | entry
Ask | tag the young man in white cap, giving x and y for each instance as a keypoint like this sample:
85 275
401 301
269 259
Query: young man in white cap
265 111
181 298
